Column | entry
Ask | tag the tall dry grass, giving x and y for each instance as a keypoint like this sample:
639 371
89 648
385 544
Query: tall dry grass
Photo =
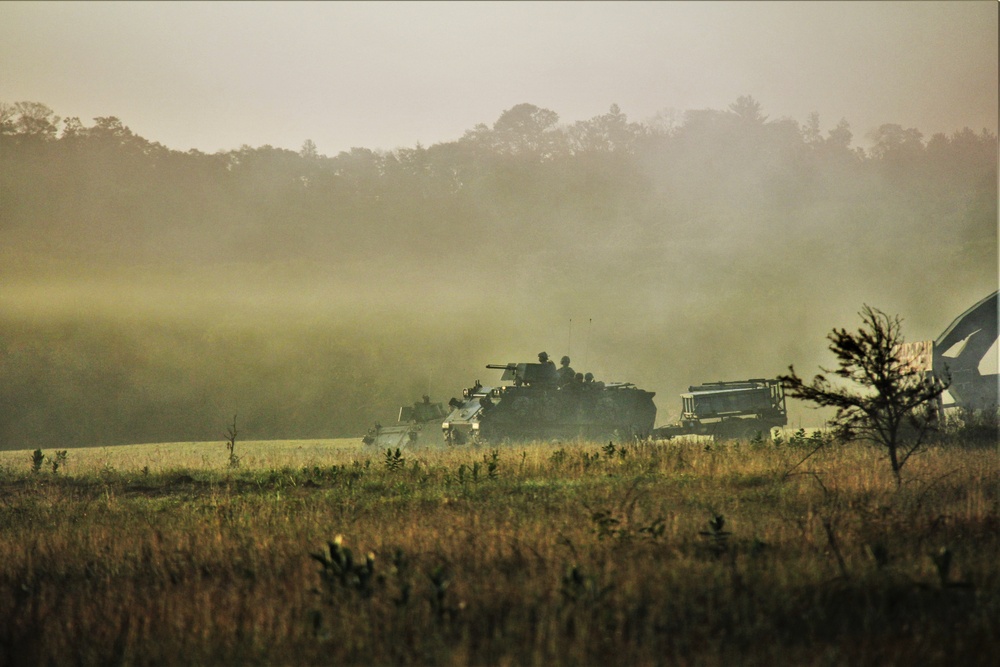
572 553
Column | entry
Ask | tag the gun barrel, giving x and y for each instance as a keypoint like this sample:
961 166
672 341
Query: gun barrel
502 367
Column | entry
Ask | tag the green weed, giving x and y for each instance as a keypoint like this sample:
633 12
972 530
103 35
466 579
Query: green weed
37 459
394 460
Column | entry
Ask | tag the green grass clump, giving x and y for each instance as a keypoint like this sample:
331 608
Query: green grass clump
572 553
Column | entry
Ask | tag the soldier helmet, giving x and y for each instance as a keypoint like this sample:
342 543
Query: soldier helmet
564 361
543 357
589 377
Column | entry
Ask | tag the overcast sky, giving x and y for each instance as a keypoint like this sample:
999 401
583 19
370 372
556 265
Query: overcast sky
214 76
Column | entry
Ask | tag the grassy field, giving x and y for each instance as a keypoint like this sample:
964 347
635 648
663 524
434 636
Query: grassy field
205 456
688 553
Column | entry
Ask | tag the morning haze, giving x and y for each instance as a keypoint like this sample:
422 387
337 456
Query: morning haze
671 193
215 76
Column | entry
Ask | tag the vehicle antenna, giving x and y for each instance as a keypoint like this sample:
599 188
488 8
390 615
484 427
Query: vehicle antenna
569 343
586 345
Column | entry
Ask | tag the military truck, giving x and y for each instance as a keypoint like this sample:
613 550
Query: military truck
417 424
730 410
531 404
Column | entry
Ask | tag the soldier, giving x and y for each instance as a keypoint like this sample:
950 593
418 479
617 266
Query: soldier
549 373
566 374
590 383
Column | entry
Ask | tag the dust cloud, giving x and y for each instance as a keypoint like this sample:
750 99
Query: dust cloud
150 295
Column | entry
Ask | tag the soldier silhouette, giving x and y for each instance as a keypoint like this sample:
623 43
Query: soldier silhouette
566 373
549 372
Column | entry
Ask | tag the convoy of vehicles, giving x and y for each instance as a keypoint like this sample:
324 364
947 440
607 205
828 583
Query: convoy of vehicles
534 401
529 404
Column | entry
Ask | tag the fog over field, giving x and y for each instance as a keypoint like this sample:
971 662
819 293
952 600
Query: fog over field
149 292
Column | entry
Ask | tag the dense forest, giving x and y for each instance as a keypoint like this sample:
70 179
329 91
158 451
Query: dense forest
148 294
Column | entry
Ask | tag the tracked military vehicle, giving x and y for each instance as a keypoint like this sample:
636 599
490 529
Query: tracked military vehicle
531 403
417 424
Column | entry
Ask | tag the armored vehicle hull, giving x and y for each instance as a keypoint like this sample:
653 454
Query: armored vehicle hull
534 407
417 425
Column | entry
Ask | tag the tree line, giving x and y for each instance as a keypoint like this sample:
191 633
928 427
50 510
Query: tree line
706 245
524 177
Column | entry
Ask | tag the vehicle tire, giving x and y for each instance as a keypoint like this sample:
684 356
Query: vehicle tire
736 429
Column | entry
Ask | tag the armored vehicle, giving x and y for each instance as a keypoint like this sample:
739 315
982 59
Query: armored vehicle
739 409
417 424
531 403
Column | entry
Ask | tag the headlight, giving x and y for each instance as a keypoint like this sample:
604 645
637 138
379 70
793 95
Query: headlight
445 426
475 426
